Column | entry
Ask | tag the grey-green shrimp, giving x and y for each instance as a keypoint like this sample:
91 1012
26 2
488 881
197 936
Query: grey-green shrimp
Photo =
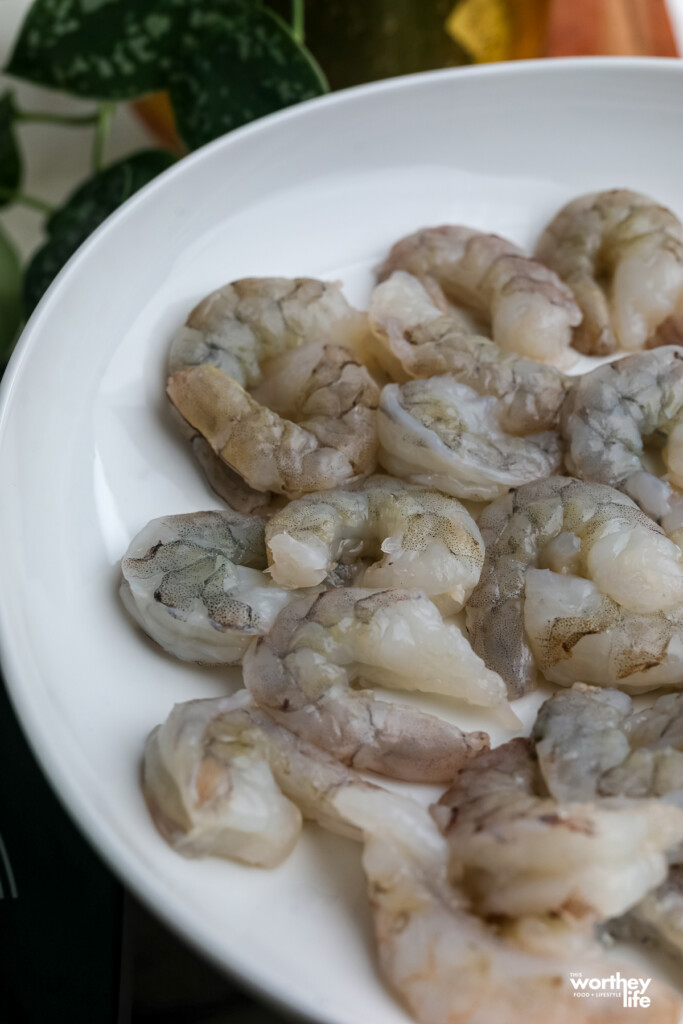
591 744
195 583
580 584
612 413
397 535
622 256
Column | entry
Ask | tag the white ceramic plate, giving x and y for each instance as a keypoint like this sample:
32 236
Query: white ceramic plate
88 453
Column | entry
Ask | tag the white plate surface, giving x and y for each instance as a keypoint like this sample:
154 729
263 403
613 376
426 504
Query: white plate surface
88 453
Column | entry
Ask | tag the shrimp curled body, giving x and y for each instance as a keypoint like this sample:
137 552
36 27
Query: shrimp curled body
416 339
531 311
637 247
520 853
592 743
195 584
439 433
416 538
581 584
265 371
302 671
613 411
221 778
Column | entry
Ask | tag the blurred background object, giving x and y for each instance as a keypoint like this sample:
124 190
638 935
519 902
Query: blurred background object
639 28
492 30
63 917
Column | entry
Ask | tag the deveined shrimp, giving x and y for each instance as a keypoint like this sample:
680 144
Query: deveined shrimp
622 256
613 411
518 852
320 431
413 537
239 328
212 776
210 790
417 339
581 584
440 433
532 312
302 671
591 743
194 583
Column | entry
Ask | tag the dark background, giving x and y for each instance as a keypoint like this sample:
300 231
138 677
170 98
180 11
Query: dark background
75 947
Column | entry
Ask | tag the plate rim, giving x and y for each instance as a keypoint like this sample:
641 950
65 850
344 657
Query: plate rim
119 858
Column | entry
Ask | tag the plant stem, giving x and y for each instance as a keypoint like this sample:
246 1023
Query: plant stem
47 117
298 20
105 114
31 202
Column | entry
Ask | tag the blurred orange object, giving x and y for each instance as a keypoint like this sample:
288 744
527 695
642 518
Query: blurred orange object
639 28
492 30
157 113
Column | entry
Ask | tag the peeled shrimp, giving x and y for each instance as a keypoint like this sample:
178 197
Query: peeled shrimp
581 584
310 423
228 485
658 919
415 538
591 743
243 325
211 778
302 671
417 339
193 582
520 853
636 247
613 411
530 310
438 433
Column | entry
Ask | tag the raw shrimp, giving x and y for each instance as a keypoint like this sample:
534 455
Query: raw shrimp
194 583
519 853
243 325
417 339
591 743
228 485
658 919
579 735
209 788
281 339
611 412
531 311
439 433
302 671
333 443
415 538
211 776
622 256
580 583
